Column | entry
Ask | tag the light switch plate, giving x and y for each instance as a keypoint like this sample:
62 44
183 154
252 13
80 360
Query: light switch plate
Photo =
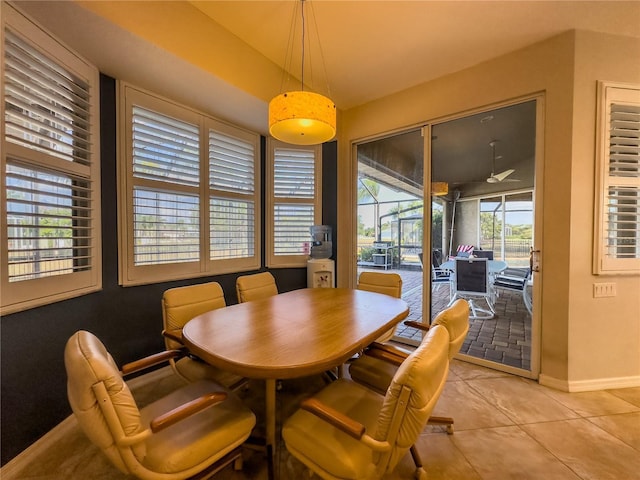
604 290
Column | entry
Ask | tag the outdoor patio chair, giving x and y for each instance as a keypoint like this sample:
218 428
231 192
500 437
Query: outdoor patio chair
515 280
463 251
471 282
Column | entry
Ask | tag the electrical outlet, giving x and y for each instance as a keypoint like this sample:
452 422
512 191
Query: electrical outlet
604 290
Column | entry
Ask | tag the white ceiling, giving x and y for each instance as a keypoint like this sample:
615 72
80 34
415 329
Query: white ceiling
374 48
368 49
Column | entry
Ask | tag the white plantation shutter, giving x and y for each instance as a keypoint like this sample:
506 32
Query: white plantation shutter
165 153
49 167
165 149
166 227
232 200
618 222
295 202
189 201
49 229
46 107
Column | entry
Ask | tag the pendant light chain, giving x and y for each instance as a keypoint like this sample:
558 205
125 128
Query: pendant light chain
303 31
302 117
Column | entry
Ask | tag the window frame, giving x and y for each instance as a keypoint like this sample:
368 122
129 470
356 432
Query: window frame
130 274
289 261
26 294
604 264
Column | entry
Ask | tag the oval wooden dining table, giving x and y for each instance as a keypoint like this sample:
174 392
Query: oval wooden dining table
292 334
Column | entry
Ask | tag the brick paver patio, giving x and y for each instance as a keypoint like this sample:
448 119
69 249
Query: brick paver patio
504 339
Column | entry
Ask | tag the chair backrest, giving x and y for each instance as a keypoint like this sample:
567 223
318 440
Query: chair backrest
456 320
472 276
488 254
436 257
255 287
512 278
91 370
181 304
412 395
378 282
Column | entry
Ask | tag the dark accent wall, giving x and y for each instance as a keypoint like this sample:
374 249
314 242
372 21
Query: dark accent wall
127 320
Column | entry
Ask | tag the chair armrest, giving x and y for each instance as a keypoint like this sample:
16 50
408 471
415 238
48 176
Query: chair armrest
418 325
186 410
175 335
333 417
386 353
151 361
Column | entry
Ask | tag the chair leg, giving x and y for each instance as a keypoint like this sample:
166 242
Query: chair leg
416 456
420 473
448 421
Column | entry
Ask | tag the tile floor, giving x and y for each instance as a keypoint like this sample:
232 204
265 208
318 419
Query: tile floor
506 427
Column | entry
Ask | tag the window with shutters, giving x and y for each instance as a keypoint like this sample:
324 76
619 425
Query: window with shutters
50 169
617 237
295 200
188 192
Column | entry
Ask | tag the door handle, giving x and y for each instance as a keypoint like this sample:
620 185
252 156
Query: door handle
534 260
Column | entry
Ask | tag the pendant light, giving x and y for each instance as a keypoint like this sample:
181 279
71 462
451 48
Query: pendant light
439 189
301 117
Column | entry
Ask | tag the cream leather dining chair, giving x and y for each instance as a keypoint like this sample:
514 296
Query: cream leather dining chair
386 283
255 287
375 369
181 304
348 431
378 364
197 429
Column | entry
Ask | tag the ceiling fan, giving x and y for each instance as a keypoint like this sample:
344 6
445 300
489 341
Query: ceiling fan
498 177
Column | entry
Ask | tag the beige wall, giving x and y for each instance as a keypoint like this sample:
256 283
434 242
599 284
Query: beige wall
575 353
604 333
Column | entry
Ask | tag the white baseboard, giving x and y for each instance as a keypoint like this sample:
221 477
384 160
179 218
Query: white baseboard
49 439
589 385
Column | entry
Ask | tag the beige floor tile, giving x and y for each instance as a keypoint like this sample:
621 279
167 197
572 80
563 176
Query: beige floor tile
507 453
453 377
626 427
589 404
631 395
521 400
470 371
468 408
441 460
569 440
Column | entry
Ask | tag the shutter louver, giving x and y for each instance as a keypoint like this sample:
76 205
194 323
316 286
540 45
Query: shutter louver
294 173
46 107
48 223
294 192
624 141
618 219
232 229
165 149
291 228
231 205
623 201
166 227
